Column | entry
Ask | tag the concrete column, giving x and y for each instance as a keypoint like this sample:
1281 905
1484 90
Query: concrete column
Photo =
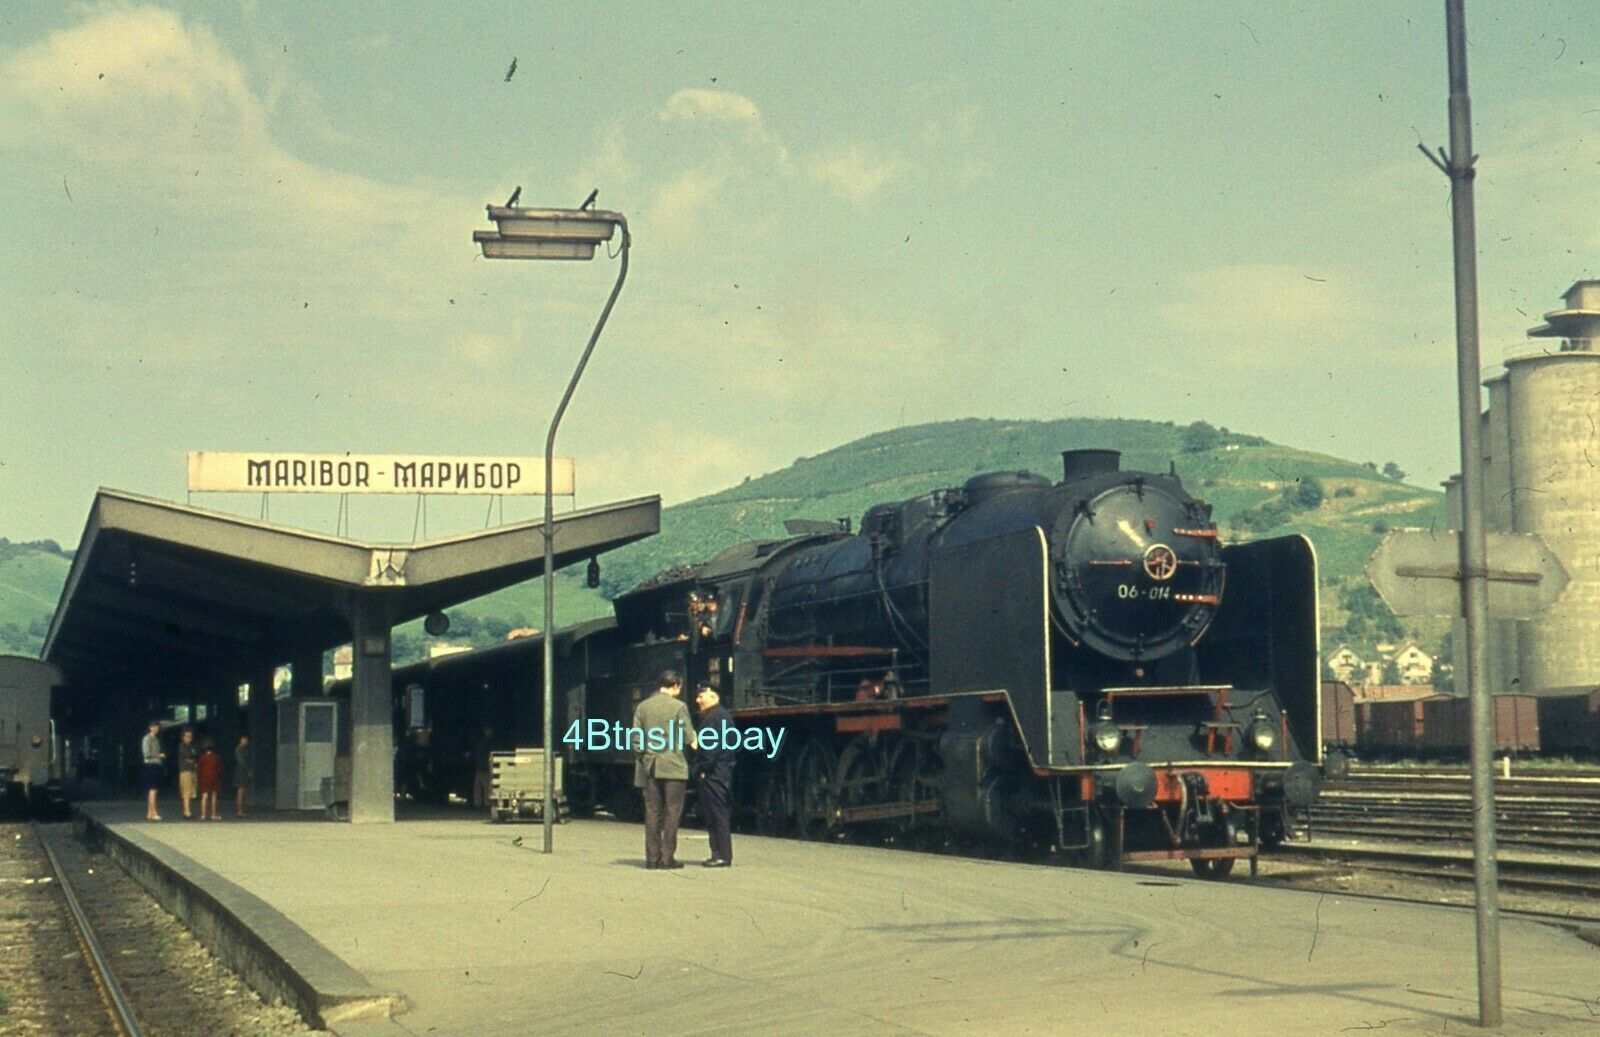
263 727
371 714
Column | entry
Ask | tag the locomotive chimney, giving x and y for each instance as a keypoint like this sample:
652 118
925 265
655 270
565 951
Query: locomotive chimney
1079 464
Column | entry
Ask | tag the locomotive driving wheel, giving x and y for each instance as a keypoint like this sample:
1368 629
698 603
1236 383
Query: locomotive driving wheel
1215 868
861 774
813 790
913 779
773 815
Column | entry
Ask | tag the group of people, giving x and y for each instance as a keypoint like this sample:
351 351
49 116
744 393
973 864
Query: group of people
199 773
663 774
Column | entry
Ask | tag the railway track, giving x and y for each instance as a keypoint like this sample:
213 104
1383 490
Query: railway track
124 1021
1551 815
66 911
1418 825
55 977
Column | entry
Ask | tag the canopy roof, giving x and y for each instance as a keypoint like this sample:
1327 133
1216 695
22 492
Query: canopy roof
161 591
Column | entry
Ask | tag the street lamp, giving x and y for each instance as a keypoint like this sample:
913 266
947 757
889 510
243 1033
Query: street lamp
554 234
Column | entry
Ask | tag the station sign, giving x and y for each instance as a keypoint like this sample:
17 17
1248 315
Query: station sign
1417 572
212 471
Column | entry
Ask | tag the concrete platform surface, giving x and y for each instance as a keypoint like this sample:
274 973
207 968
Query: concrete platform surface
486 936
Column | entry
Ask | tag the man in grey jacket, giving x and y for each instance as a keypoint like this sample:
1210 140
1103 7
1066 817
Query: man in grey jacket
662 733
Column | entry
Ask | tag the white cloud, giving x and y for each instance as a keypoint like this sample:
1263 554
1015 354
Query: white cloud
1543 175
693 103
855 171
670 462
682 204
483 349
609 168
150 113
1248 307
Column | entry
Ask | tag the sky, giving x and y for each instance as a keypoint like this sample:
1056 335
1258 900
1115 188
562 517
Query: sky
247 226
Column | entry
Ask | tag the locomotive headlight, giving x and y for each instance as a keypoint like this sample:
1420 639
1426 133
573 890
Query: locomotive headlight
1262 734
1107 736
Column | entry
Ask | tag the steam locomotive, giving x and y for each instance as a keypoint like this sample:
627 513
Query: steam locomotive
1079 665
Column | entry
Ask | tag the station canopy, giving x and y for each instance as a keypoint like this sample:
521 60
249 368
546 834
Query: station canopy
160 591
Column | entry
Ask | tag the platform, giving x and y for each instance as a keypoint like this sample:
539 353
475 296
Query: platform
480 933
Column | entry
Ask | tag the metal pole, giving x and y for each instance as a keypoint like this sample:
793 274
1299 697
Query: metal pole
1458 165
549 556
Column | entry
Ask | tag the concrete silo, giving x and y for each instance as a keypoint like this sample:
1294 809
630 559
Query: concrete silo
1495 440
1551 406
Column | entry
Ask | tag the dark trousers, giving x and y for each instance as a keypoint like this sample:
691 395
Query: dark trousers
663 808
716 802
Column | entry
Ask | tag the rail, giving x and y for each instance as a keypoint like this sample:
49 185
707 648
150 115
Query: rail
117 1005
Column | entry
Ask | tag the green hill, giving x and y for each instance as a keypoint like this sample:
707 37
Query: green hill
1236 475
1256 488
31 576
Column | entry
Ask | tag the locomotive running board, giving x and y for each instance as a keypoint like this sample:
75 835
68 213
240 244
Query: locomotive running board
885 812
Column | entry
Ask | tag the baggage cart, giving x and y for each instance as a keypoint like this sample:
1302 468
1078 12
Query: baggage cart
516 789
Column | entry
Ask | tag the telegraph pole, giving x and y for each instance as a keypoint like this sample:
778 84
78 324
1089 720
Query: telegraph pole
1457 164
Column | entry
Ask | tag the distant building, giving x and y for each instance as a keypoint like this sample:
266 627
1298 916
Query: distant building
1413 664
1344 662
438 648
344 658
521 632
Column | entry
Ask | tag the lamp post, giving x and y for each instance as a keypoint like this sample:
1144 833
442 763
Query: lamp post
554 234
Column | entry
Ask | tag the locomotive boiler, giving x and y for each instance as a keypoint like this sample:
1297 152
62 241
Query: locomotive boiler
1077 664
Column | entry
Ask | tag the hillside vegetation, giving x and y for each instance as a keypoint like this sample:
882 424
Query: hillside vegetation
1257 489
31 576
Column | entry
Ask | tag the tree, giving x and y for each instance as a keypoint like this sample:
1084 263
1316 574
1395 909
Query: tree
462 624
407 647
1308 494
1393 471
1200 437
1370 620
1444 670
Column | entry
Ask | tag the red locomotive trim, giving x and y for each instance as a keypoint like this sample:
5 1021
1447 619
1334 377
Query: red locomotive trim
873 723
1197 599
1208 534
1222 783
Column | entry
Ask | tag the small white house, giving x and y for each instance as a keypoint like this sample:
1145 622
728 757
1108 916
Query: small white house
1413 664
1344 662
